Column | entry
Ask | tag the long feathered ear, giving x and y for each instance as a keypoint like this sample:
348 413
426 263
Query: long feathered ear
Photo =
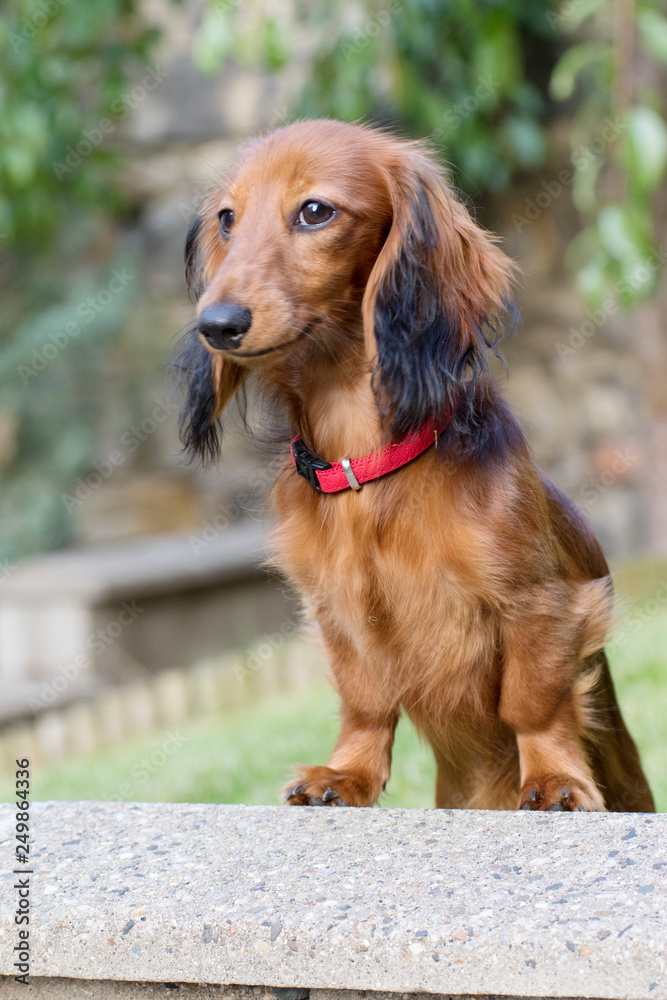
433 303
209 379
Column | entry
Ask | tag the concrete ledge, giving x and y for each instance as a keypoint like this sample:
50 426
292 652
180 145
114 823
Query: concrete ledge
72 623
78 989
518 904
142 567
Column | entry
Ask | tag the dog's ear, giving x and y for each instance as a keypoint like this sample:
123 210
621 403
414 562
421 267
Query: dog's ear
209 379
433 302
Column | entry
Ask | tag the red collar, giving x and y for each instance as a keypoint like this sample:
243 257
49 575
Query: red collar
331 477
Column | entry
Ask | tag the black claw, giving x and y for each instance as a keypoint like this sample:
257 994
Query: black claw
526 805
384 786
315 801
329 794
556 807
297 790
564 793
581 809
533 795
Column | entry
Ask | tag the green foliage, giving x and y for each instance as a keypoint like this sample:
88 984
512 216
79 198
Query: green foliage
610 75
63 67
65 72
454 71
51 370
475 78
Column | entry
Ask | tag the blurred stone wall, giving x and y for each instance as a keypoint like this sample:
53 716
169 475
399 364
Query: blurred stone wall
589 389
590 386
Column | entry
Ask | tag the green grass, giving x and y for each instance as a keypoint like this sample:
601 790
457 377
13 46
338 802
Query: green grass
246 755
240 756
638 661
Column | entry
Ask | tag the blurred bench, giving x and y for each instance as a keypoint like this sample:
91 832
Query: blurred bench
72 621
143 897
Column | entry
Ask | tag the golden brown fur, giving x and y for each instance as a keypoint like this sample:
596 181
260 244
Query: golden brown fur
463 588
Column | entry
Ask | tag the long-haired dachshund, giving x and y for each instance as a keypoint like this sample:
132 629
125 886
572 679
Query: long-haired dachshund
336 267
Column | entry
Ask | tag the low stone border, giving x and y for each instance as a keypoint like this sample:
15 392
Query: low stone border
388 900
276 662
78 989
77 622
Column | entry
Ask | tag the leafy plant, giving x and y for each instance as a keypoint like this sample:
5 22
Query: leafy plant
65 72
613 76
477 78
461 72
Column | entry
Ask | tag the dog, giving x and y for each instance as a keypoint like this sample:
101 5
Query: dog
336 267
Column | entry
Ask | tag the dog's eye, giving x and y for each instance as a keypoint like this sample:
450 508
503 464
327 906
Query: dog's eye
226 217
315 213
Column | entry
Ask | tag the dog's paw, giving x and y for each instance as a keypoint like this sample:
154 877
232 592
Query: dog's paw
323 786
561 793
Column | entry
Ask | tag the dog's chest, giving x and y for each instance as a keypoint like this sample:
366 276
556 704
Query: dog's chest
386 585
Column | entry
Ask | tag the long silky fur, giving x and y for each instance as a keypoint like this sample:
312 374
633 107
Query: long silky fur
191 255
423 374
200 432
201 436
463 588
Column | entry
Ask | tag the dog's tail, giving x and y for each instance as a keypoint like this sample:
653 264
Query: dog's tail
610 749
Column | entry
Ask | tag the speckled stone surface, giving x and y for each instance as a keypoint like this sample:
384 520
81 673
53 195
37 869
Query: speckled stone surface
82 989
522 904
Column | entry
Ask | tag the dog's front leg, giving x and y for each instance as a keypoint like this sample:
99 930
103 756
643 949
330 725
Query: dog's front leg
359 767
554 772
539 703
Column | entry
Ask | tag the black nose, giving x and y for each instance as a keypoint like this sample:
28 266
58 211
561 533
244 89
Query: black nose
225 324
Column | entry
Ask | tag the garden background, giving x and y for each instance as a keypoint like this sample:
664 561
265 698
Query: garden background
115 119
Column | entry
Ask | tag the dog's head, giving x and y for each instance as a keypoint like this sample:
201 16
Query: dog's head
333 236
